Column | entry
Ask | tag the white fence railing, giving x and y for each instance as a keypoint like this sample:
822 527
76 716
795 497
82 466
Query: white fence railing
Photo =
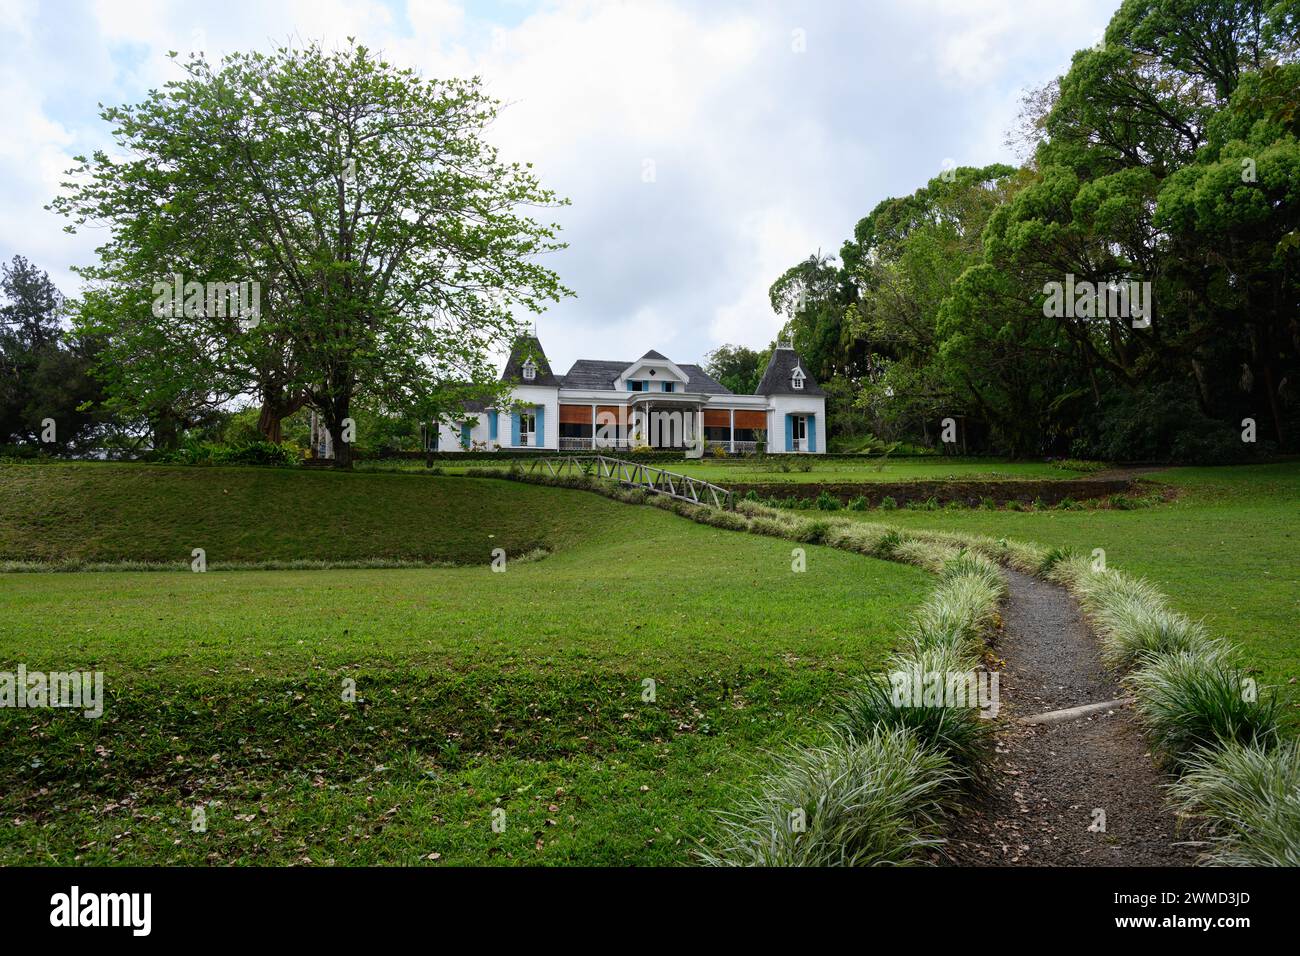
633 474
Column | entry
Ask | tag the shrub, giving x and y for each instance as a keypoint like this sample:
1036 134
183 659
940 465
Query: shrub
958 732
877 800
969 564
988 504
929 555
812 531
888 503
858 536
724 519
242 453
1190 699
1249 800
827 502
1051 559
1134 631
858 503
958 615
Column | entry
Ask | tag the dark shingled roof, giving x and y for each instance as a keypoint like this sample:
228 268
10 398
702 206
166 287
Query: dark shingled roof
652 354
592 373
525 348
776 380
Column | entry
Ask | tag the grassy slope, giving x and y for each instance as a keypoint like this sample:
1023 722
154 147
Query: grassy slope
477 689
113 512
1227 550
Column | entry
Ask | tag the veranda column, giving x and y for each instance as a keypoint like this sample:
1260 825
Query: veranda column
732 448
593 427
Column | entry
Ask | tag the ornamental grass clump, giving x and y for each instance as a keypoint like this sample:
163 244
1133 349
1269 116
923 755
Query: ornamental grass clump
958 615
1191 699
1247 801
1133 631
937 694
876 800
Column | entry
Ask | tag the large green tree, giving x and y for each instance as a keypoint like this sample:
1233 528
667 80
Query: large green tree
395 251
45 372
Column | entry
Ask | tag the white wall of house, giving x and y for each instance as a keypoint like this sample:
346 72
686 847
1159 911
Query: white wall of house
449 433
783 405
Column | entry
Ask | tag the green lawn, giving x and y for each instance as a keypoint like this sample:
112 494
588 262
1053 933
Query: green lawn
111 512
476 690
824 470
1228 550
832 470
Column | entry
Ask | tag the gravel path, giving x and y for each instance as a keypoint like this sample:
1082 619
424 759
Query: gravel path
1051 779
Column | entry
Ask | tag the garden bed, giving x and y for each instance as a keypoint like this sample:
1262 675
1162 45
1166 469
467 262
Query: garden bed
971 493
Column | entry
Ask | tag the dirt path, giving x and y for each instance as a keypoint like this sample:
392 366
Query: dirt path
1051 778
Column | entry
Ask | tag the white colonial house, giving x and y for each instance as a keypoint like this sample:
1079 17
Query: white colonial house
616 406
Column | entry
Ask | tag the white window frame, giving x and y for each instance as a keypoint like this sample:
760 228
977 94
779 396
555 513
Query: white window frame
530 371
796 378
527 429
799 430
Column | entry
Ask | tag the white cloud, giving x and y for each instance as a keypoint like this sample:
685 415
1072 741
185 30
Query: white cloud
762 154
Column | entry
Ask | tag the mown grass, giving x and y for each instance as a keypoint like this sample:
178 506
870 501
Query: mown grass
838 470
791 469
475 690
1226 551
115 512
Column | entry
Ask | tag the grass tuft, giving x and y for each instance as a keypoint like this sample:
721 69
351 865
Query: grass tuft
878 800
1248 799
1196 699
888 700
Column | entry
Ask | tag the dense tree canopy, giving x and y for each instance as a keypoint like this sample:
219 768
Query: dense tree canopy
1166 168
47 392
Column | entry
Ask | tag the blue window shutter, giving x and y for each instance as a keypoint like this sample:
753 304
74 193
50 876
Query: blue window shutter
514 429
541 426
492 425
812 432
789 433
464 435
630 388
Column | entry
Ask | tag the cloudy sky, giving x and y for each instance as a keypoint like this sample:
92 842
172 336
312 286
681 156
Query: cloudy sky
706 146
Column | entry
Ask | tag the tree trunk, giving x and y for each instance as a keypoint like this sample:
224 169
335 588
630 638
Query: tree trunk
268 423
166 432
275 409
336 413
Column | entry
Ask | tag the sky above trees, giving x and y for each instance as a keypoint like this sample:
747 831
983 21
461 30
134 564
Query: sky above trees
705 146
